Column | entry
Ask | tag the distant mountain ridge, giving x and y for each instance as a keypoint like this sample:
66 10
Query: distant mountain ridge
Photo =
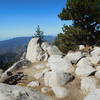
13 45
19 44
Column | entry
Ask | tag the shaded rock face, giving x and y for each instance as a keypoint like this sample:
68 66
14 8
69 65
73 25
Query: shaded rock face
8 92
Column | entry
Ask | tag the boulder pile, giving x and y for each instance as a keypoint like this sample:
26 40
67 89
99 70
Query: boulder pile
49 70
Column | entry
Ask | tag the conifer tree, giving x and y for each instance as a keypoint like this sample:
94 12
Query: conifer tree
39 33
85 15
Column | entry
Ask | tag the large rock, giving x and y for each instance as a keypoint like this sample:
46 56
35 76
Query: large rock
8 92
34 50
57 63
94 95
84 68
60 92
53 78
88 84
74 56
53 50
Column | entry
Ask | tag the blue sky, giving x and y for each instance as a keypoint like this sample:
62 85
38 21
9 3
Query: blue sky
20 17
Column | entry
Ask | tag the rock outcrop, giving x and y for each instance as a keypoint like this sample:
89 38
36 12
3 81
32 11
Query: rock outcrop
39 51
34 50
50 71
11 92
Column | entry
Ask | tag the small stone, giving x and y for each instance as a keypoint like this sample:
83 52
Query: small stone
38 75
81 47
45 89
33 84
40 66
24 67
97 74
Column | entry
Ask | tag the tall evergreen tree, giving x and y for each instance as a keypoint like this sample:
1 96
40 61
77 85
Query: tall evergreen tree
85 15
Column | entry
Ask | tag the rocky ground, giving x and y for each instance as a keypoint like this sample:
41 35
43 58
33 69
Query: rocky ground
45 73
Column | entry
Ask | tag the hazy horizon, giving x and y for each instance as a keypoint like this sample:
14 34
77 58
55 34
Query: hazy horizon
20 17
8 38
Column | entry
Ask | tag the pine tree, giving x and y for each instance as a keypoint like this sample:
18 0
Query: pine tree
85 15
39 33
